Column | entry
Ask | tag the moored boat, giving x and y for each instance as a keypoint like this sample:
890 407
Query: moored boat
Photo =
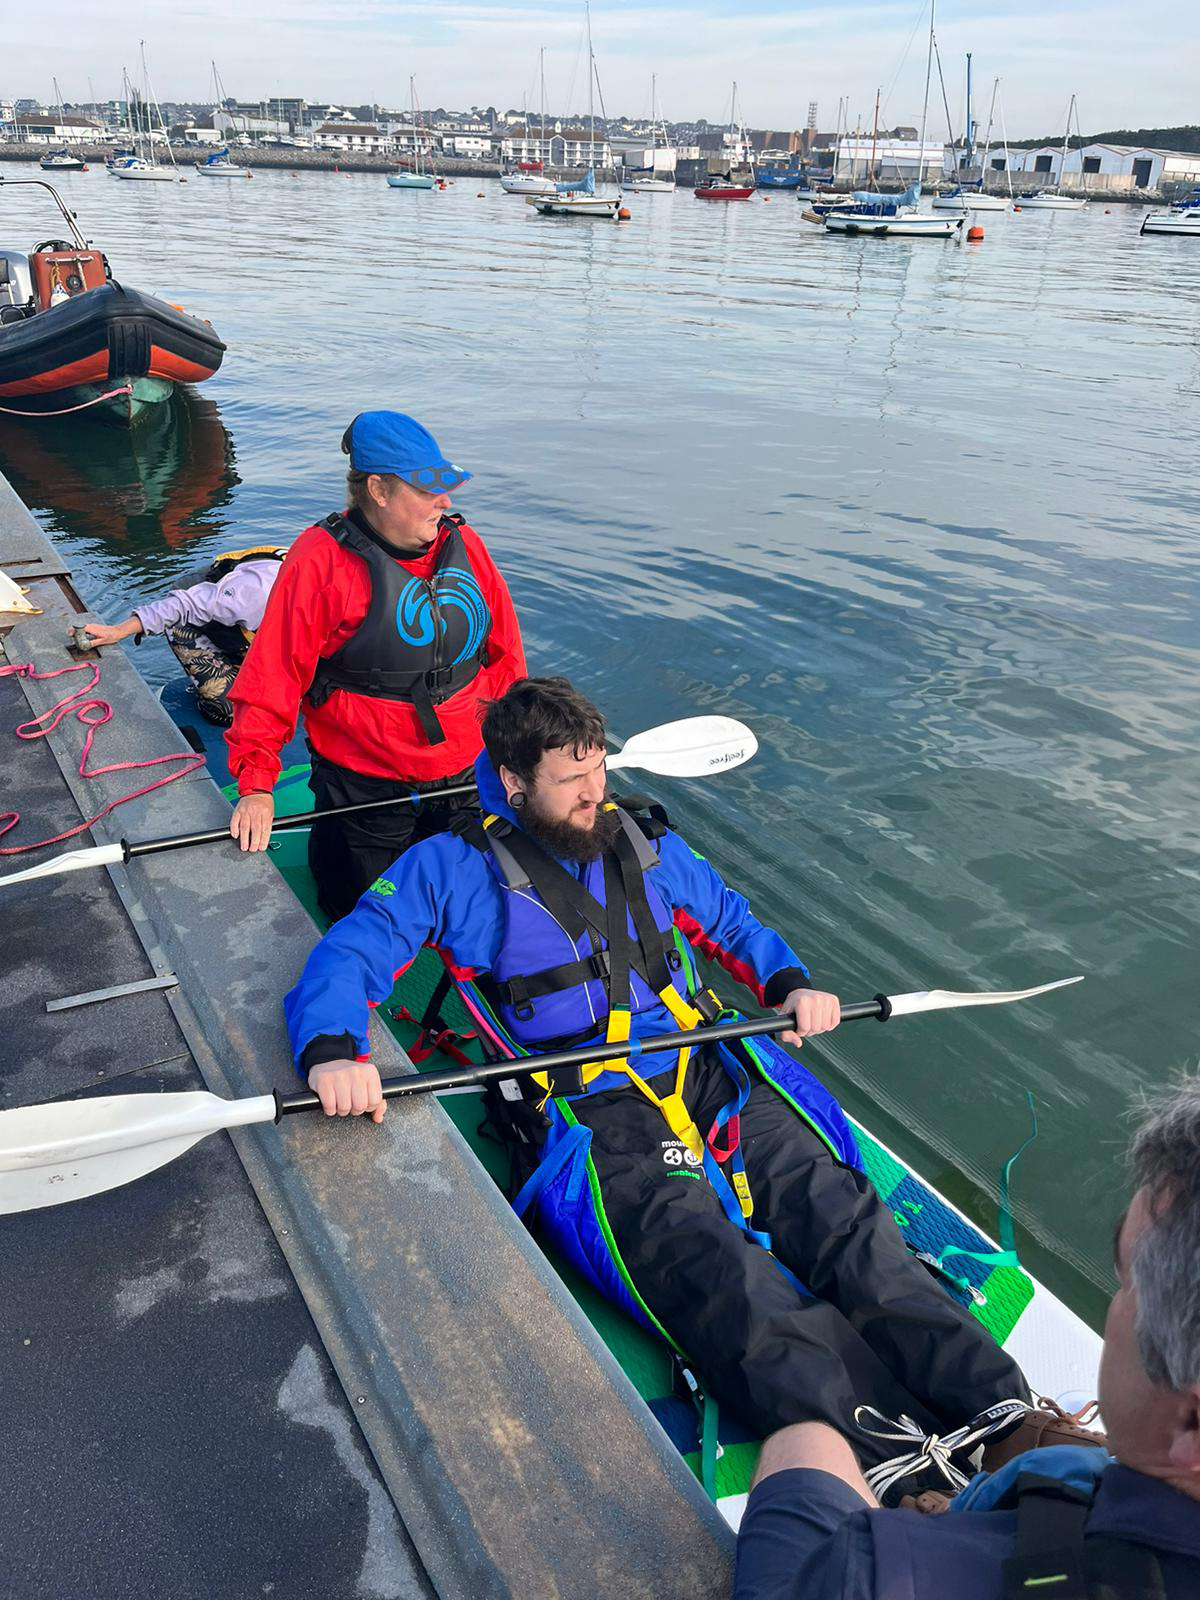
526 183
70 335
62 161
892 221
965 198
1182 218
722 189
576 200
137 169
897 215
219 165
1048 200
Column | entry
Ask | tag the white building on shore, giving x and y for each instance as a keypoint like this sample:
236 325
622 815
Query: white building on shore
52 128
573 147
893 160
356 137
1107 168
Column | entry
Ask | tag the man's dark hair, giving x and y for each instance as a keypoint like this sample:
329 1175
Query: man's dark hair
536 715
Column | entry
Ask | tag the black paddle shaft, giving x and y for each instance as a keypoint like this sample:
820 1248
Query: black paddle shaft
181 841
431 1082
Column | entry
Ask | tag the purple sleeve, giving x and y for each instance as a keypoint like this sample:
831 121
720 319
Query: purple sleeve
238 600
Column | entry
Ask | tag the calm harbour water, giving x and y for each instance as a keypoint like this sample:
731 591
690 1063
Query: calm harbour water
923 514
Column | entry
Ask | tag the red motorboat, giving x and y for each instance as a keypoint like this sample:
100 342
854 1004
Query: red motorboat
71 337
722 189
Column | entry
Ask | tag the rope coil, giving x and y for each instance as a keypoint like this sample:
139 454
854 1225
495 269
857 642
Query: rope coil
91 713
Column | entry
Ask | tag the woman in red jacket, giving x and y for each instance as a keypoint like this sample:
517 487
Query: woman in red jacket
387 628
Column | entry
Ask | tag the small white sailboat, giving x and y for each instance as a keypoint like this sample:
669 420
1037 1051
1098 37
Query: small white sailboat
576 200
219 165
971 196
654 179
1053 199
417 178
884 216
892 216
533 180
580 199
145 168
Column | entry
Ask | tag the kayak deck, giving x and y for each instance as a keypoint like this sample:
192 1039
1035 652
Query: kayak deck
1057 1351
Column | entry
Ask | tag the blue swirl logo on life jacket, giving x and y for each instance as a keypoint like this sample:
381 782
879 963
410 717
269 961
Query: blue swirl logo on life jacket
457 589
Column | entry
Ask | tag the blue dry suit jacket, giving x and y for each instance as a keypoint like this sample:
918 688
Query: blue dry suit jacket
444 892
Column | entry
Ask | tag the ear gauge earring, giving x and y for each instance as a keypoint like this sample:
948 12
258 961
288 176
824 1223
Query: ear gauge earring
517 801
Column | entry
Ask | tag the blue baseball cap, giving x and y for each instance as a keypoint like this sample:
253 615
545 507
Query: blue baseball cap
390 442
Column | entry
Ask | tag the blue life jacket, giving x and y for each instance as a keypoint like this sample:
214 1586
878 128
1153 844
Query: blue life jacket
550 980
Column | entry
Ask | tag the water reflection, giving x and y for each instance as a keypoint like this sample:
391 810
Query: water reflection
166 483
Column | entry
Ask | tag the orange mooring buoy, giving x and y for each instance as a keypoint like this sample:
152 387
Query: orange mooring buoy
481 195
975 234
623 214
1016 208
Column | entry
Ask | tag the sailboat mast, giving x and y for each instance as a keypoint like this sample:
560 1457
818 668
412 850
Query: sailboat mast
587 11
542 82
1062 164
1004 136
874 141
925 102
969 152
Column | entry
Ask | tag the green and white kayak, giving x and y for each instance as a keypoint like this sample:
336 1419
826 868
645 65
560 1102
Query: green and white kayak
1057 1351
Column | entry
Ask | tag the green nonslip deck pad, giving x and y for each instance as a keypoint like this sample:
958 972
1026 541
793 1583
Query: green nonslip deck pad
929 1224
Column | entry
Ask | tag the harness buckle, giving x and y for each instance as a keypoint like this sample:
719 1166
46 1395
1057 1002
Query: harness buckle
707 1004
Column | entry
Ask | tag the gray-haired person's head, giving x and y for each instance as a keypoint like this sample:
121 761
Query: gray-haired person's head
1165 1262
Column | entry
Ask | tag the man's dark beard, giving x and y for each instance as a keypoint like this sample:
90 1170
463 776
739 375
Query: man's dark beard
568 842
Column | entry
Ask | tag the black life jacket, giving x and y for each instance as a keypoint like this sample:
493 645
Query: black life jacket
422 640
229 640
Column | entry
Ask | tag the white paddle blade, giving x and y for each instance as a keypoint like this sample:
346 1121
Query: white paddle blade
100 855
908 1005
691 748
70 1149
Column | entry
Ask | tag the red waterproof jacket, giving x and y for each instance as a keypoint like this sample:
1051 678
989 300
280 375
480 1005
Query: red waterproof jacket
319 600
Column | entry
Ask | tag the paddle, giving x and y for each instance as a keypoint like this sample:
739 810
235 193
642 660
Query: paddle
690 748
70 1149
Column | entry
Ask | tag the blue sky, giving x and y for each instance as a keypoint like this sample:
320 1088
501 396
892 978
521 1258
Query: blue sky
1129 67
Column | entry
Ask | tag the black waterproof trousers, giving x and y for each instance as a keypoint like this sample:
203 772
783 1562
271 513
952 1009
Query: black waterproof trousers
877 1329
347 854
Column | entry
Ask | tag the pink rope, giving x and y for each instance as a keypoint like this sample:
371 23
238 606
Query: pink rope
65 411
92 713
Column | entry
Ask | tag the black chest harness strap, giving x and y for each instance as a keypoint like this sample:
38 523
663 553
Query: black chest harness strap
651 954
1054 1561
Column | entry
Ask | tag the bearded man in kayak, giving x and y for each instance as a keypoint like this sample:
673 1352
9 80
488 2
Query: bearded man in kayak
387 629
718 1197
